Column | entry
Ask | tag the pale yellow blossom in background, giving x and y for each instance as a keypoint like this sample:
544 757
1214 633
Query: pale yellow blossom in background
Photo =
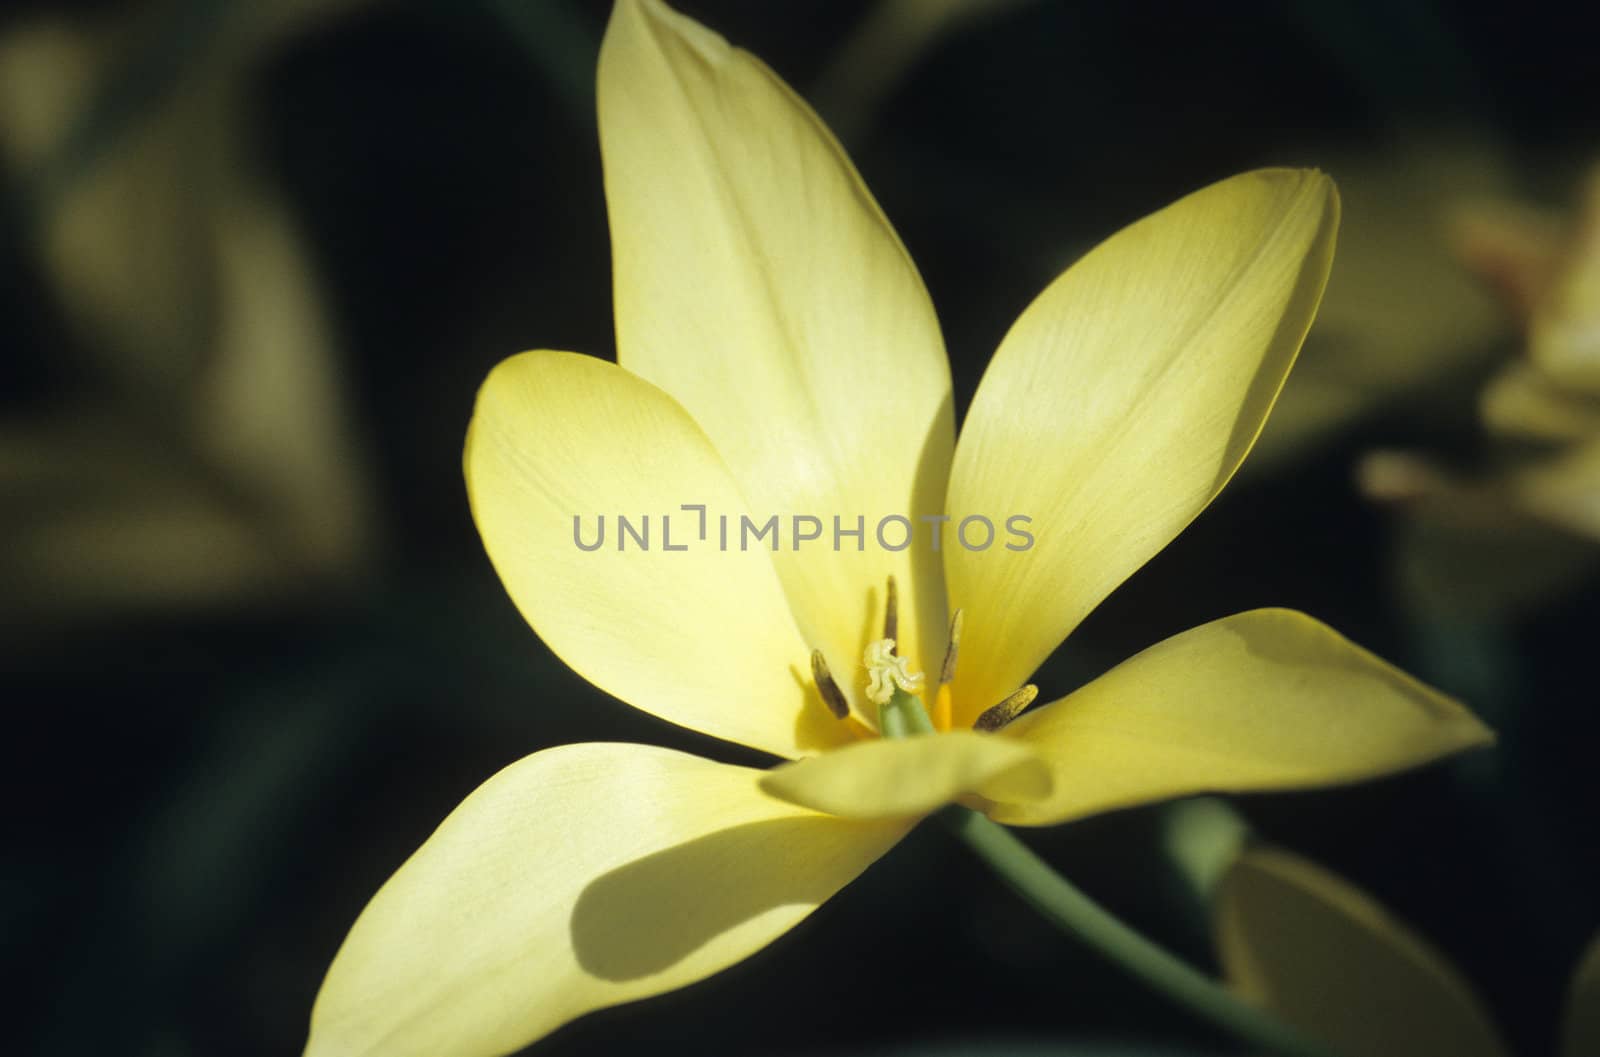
1313 949
213 460
1526 521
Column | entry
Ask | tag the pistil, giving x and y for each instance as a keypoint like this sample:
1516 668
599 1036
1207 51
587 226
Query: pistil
887 672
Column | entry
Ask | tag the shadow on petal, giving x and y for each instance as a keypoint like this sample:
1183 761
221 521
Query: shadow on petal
1296 642
1270 377
931 599
643 918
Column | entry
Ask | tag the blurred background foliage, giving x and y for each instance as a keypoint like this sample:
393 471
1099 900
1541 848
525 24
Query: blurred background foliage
258 257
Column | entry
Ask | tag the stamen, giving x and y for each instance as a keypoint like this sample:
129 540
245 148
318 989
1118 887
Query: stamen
832 696
947 671
885 672
998 716
891 612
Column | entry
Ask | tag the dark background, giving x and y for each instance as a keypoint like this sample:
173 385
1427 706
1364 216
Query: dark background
204 792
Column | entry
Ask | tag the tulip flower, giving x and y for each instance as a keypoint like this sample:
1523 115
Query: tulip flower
779 359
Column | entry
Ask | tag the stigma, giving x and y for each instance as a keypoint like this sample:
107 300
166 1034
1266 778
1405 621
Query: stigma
886 672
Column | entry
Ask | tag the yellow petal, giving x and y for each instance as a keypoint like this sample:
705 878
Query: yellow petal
909 777
1580 1035
1120 403
1268 699
1521 402
1321 954
702 636
575 879
758 283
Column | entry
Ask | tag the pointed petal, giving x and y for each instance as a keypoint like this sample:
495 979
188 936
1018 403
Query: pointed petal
1119 405
701 636
1310 947
1268 699
1580 1036
759 283
575 879
909 777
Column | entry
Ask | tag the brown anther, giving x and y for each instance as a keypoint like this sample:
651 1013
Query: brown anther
832 696
998 716
947 671
891 611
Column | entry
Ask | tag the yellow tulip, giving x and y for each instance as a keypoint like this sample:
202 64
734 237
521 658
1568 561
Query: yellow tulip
1553 396
1527 518
779 355
1323 955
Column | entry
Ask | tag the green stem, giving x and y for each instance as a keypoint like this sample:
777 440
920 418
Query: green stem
1075 913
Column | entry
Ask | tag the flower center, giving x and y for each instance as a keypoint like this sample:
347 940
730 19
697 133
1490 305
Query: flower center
885 671
889 674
